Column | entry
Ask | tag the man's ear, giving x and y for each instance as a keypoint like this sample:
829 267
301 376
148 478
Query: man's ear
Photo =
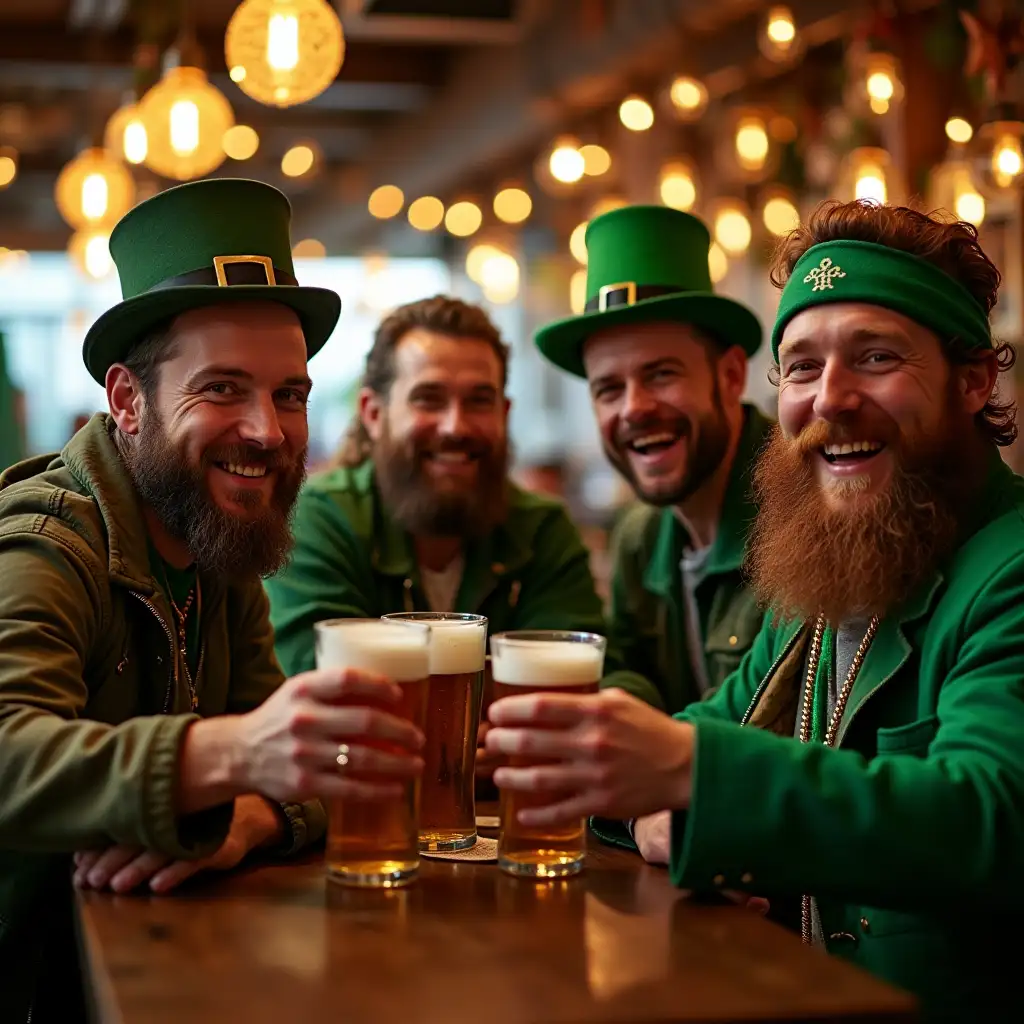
124 398
372 410
976 380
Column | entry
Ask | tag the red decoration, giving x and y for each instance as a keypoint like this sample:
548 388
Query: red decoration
994 46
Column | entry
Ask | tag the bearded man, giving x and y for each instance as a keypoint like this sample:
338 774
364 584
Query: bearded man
145 725
881 788
420 514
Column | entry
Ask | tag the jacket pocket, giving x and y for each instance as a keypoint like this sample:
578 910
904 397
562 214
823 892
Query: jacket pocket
914 738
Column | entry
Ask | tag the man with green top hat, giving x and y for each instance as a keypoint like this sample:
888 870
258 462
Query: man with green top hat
666 363
146 728
864 764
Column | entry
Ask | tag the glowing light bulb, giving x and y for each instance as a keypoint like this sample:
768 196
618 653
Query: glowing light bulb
732 230
567 164
677 187
959 130
578 243
95 196
184 125
751 143
96 256
1007 160
718 262
780 215
135 143
871 185
688 96
283 42
636 114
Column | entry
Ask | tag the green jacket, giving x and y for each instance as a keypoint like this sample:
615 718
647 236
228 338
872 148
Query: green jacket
648 607
910 833
93 703
351 560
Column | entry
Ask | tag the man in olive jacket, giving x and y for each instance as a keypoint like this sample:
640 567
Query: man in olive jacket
420 514
666 363
138 681
865 761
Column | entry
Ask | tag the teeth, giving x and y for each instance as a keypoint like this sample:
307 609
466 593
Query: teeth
253 471
649 439
856 446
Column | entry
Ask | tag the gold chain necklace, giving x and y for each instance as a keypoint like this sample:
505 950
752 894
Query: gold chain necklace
181 618
832 731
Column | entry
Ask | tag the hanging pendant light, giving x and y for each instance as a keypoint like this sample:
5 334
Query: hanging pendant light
125 134
185 119
94 189
284 52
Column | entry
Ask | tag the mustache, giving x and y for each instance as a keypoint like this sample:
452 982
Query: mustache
678 425
277 458
822 432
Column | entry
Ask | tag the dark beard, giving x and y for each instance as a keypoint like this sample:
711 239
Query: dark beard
222 544
703 457
806 557
413 501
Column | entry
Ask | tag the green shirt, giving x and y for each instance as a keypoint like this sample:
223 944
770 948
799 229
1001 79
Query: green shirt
177 584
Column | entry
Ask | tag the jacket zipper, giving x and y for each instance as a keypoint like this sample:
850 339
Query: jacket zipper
764 682
172 677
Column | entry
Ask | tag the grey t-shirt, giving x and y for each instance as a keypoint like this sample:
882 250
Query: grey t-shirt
693 566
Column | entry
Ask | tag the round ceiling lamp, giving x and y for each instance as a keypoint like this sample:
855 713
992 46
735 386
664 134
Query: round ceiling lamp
89 251
125 134
185 119
284 52
94 189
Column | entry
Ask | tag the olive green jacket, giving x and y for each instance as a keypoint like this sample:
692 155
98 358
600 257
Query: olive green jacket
93 702
648 607
352 560
910 833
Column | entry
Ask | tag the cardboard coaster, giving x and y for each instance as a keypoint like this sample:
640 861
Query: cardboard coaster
483 851
488 821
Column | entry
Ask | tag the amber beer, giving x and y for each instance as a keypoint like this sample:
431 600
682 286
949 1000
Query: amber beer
375 843
458 648
555 662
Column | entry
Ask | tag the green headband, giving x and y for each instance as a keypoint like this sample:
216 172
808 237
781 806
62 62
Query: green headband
852 271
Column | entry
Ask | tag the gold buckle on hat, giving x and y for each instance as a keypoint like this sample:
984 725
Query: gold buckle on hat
220 262
605 290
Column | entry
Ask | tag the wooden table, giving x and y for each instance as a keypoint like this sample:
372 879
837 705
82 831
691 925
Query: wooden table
466 944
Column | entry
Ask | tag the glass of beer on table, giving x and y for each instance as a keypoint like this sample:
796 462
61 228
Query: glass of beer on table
374 844
458 647
553 662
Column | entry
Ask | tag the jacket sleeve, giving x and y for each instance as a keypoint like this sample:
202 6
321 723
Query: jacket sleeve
326 578
67 783
255 675
792 817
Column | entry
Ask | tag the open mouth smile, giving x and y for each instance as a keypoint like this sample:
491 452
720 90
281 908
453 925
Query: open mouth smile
243 470
852 453
653 444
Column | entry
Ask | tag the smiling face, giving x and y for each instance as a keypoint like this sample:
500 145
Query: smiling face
217 442
862 387
440 434
867 483
661 392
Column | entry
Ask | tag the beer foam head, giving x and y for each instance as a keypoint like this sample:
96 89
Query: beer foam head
456 647
401 653
546 663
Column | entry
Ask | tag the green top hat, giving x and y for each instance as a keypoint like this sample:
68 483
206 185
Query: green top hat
647 263
201 244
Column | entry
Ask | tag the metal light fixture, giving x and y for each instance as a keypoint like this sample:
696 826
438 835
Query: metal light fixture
94 189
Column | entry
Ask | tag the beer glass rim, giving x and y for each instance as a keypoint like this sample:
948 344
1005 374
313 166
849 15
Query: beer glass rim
573 636
423 618
323 624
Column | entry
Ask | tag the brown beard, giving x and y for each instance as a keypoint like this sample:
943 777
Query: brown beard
414 502
806 557
223 544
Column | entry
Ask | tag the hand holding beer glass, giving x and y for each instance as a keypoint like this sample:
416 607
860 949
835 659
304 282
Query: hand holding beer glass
458 648
547 661
375 843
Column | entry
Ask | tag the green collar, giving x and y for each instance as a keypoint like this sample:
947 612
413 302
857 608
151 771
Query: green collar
393 555
738 511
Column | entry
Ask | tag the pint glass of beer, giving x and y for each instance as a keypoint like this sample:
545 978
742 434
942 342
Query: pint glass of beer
375 843
555 662
458 647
